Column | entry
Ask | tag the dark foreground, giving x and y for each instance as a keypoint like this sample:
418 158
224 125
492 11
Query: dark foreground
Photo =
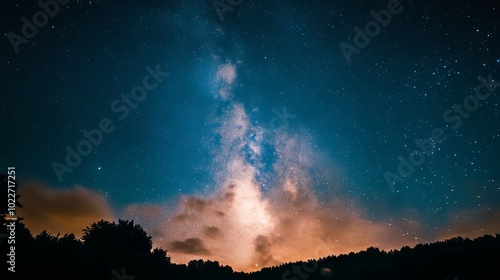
122 251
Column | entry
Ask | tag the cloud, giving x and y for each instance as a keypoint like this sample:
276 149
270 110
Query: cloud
61 211
190 246
196 203
212 232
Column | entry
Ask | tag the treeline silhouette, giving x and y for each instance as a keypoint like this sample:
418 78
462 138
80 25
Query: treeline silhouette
123 251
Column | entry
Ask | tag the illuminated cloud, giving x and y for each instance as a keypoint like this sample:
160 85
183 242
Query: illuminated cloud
212 232
190 246
61 211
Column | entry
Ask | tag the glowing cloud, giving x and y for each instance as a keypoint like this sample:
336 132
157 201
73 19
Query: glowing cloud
64 211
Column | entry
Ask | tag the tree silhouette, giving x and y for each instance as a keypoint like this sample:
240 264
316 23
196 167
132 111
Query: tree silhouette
113 245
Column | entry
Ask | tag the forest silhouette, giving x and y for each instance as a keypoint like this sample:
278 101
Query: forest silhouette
123 251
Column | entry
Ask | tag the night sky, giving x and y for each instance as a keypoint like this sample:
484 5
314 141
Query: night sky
255 132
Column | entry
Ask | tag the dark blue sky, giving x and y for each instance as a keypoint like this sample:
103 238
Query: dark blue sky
350 121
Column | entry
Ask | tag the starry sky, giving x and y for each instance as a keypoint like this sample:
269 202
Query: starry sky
255 133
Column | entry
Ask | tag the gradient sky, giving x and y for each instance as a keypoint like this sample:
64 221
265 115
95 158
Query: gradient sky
264 143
